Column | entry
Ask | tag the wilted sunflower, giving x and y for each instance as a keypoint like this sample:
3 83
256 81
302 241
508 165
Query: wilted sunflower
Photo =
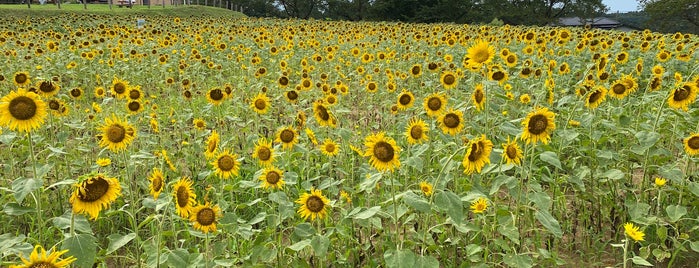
691 144
478 97
405 100
313 205
383 152
683 96
204 217
596 97
22 111
157 182
264 152
511 152
134 107
322 115
330 148
119 88
38 258
226 164
93 193
21 79
287 136
212 144
426 188
538 126
479 206
448 80
435 104
416 132
477 155
116 134
479 54
451 122
185 198
272 177
260 104
215 96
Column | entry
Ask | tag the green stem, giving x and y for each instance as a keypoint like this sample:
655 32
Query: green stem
645 157
395 215
626 251
37 198
206 251
132 196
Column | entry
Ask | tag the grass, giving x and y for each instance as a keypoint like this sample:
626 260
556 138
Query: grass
50 10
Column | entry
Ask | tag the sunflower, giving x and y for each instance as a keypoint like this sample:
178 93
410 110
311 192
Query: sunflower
479 54
287 136
448 80
426 188
272 177
596 97
511 152
185 198
260 104
157 181
477 155
93 193
435 104
330 148
451 122
212 144
322 115
619 90
383 152
525 98
659 182
416 132
311 136
538 126
405 100
135 93
683 96
264 152
99 92
21 79
103 162
691 144
313 205
204 217
199 123
416 70
116 134
633 232
134 107
215 96
39 258
22 110
119 88
47 88
478 97
292 96
226 164
300 120
479 206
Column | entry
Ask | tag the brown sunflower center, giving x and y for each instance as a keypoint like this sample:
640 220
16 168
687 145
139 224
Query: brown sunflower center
116 133
182 196
119 88
315 204
371 87
46 86
226 163
478 96
283 81
434 104
475 153
216 94
200 124
54 104
329 147
425 188
272 177
681 94
286 136
134 94
497 76
21 78
22 108
260 104
416 132
449 79
405 99
619 88
93 189
415 70
511 152
42 264
306 83
323 113
211 146
451 120
206 216
292 95
595 96
157 183
264 153
76 92
537 124
134 106
693 143
383 151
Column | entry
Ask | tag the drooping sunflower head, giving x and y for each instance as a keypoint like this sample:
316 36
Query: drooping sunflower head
313 205
323 115
116 134
330 148
683 96
478 97
184 196
477 155
416 132
272 177
511 152
39 258
435 104
264 152
287 136
94 193
595 97
205 217
212 144
22 111
260 104
383 152
451 122
691 144
405 100
226 164
538 126
215 96
21 79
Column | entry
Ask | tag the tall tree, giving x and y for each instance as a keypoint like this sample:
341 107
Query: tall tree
672 15
300 8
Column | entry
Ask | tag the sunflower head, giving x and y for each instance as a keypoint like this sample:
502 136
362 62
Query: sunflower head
426 188
287 136
451 122
313 205
435 104
477 155
478 97
116 134
22 111
480 53
260 103
204 217
479 206
184 196
538 126
382 151
448 80
226 164
691 144
330 148
323 115
416 132
212 144
272 177
21 79
511 152
405 100
264 152
40 258
93 193
157 182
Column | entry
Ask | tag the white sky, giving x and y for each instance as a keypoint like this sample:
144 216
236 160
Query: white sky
621 5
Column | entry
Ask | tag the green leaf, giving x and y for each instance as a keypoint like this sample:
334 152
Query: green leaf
551 158
645 141
499 181
82 247
451 203
518 261
661 232
369 184
304 230
80 222
9 241
300 245
117 241
640 261
510 231
320 245
541 200
402 258
367 213
426 262
14 209
547 220
694 245
416 202
23 186
178 258
694 188
613 174
675 212
279 197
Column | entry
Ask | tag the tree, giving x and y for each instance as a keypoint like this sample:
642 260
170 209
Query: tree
672 15
542 12
300 8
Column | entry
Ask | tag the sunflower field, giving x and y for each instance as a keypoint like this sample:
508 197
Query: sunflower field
215 142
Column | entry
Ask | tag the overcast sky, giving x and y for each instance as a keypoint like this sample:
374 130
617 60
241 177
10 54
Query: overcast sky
621 5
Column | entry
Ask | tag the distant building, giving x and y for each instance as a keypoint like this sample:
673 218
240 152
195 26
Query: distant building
599 22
